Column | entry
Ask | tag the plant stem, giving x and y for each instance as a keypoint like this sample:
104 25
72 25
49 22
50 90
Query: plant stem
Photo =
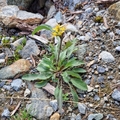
59 50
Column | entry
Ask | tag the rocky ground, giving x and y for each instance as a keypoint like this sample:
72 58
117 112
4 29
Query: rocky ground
98 35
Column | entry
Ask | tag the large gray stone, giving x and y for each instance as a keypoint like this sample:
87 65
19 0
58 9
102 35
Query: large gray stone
39 106
29 49
107 57
12 16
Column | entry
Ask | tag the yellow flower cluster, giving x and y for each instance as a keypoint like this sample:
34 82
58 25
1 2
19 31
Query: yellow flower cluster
58 30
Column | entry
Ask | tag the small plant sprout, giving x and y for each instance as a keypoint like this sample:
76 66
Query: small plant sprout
60 66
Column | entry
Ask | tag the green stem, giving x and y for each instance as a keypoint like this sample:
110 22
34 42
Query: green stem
59 50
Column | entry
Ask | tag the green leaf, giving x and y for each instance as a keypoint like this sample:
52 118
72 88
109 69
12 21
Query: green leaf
56 49
46 62
41 27
79 83
42 68
62 56
30 77
73 63
79 70
40 84
56 93
74 94
71 49
60 100
66 77
73 74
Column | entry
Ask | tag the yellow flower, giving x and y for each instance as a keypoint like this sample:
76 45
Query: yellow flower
58 30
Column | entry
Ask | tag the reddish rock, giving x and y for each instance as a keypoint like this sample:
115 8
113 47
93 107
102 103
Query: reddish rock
17 67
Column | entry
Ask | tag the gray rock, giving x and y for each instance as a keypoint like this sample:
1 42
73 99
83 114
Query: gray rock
100 69
54 104
17 43
81 38
49 111
98 116
82 108
73 117
7 87
2 98
38 107
24 4
2 61
52 22
78 117
6 113
2 84
103 28
51 12
89 10
96 98
117 31
110 117
82 49
2 55
16 84
100 13
29 49
59 17
117 48
107 57
116 95
100 79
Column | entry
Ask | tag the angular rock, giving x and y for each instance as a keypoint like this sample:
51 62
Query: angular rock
100 69
97 116
116 95
78 117
54 104
29 49
52 22
38 106
106 56
2 83
27 92
59 17
114 9
17 67
6 113
82 108
51 12
70 27
49 111
7 87
11 16
16 84
100 79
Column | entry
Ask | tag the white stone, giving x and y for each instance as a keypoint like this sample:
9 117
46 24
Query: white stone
106 56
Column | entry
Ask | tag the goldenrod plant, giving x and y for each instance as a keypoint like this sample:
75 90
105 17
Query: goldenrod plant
59 65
